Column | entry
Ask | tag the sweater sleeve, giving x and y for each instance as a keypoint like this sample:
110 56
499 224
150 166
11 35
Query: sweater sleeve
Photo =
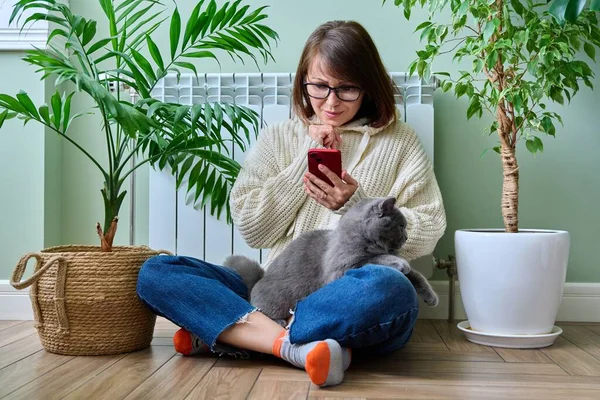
420 200
357 196
267 194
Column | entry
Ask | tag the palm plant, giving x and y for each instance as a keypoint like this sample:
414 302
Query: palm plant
521 55
191 140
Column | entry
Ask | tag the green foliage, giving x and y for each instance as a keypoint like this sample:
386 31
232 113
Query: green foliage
569 10
188 139
521 57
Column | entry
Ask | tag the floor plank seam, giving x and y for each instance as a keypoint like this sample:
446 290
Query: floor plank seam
149 376
24 357
585 351
593 334
545 352
8 325
499 355
187 395
16 340
440 335
39 377
254 384
117 359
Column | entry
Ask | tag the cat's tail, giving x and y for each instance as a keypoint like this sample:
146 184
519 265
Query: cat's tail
250 271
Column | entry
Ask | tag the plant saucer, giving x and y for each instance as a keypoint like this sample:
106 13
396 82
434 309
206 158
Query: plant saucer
509 341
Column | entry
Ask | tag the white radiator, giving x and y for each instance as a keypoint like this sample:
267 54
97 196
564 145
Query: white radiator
175 225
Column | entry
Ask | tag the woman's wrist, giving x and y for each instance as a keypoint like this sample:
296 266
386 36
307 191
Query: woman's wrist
357 196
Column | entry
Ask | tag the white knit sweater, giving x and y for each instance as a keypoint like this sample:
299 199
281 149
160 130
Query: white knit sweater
269 205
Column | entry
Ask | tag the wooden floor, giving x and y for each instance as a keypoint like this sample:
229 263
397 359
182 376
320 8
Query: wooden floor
438 363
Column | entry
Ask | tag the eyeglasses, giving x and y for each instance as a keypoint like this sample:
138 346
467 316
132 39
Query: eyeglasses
321 91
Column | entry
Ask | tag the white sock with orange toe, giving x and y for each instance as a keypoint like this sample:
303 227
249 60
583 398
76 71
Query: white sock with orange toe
188 344
322 360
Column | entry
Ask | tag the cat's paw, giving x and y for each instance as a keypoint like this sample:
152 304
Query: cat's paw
401 265
430 298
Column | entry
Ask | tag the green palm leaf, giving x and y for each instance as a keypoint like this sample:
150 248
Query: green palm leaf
195 141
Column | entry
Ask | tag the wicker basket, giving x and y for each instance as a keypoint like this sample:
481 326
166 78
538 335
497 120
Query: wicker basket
84 300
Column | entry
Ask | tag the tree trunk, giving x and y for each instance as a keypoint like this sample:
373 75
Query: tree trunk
106 239
112 204
510 190
507 134
510 172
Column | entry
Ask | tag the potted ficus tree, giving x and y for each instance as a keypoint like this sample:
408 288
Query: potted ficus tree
519 57
84 297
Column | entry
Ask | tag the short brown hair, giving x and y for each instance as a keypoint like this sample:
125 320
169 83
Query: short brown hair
350 54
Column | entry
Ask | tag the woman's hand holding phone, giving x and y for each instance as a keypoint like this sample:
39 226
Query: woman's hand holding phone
342 187
332 197
325 135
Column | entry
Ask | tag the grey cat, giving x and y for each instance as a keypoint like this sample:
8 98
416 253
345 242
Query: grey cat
371 232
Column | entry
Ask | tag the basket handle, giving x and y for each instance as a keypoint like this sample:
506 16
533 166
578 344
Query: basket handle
59 286
166 252
17 275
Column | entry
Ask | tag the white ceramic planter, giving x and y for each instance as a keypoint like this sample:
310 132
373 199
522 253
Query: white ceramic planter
512 283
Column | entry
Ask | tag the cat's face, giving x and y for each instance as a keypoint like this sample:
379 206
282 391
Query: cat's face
379 221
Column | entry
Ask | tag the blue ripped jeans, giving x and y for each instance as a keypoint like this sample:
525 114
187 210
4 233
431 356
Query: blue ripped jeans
372 308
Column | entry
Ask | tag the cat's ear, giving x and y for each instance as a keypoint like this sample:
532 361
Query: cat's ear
387 206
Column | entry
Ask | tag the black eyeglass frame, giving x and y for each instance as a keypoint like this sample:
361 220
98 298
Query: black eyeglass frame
329 89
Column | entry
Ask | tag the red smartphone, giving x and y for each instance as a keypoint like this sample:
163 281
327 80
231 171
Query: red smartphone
331 158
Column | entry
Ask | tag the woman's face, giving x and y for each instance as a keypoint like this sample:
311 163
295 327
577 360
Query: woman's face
331 110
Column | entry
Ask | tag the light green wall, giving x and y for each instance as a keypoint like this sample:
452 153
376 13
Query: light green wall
560 189
53 178
21 170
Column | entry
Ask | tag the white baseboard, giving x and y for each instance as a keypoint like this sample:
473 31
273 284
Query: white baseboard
580 303
14 304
